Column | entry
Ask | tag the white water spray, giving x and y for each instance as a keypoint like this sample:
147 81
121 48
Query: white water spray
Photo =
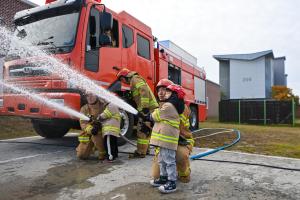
24 49
46 101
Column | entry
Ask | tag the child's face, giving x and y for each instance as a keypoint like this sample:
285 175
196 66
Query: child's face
161 93
168 94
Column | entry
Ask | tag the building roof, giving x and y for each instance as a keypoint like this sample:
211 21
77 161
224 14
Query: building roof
214 83
250 56
28 2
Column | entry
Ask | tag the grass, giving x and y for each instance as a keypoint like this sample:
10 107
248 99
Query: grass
13 127
277 140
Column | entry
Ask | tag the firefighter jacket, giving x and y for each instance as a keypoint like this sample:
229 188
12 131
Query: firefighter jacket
165 132
92 111
141 93
111 120
186 137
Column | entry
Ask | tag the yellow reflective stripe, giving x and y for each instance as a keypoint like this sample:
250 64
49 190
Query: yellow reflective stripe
172 123
140 84
142 141
83 138
102 152
191 141
183 117
164 138
117 117
156 115
135 93
111 128
153 103
185 173
187 124
107 113
156 150
145 100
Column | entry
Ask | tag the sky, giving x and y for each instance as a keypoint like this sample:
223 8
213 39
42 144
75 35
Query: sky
210 27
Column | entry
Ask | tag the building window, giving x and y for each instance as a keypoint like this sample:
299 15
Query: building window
127 36
143 47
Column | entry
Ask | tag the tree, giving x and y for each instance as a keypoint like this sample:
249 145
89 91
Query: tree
284 93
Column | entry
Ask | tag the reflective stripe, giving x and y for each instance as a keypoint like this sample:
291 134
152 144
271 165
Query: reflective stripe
102 152
111 128
156 150
83 139
140 84
145 100
156 115
117 117
172 123
107 113
165 138
184 174
135 93
142 141
153 103
191 141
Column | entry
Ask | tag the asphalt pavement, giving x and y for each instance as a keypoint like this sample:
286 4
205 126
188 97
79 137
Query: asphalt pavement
37 168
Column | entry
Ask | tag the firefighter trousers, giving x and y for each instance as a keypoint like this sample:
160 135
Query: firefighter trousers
88 146
182 163
142 142
111 147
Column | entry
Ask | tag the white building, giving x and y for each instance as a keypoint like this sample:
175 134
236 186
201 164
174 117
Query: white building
250 76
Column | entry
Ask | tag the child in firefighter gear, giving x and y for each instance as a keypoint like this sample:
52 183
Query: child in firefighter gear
111 120
91 138
165 135
146 103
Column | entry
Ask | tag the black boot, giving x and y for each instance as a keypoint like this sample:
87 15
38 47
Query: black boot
159 181
169 187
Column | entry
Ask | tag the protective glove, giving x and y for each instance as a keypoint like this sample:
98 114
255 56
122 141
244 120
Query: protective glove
95 130
88 129
144 114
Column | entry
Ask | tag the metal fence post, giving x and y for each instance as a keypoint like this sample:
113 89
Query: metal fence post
239 111
265 113
293 111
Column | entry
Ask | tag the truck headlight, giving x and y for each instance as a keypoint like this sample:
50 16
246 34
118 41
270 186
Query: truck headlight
1 102
58 101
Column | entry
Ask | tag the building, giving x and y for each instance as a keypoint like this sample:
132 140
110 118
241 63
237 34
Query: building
8 8
213 96
250 76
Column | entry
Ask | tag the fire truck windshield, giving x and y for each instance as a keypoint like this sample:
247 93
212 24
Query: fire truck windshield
55 31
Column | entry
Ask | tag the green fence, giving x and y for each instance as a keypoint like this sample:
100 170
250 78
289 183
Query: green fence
257 111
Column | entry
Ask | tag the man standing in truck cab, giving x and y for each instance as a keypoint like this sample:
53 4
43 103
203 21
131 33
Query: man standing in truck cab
91 138
146 103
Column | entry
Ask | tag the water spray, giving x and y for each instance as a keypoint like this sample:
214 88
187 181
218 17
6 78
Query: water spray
25 49
46 101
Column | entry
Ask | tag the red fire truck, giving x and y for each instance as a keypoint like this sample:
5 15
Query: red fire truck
73 30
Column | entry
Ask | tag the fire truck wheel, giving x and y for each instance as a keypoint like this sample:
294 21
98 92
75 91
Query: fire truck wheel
194 121
50 130
127 123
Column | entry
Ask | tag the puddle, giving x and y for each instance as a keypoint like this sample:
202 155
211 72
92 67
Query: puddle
75 174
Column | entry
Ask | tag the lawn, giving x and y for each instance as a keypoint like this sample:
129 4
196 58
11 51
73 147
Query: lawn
282 140
13 127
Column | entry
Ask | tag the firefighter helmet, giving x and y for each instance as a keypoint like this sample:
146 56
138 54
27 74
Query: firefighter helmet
123 72
164 83
178 89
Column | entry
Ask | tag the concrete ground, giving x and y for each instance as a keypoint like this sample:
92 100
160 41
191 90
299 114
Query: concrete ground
36 168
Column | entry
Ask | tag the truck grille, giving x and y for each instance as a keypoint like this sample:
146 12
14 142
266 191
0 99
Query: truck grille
27 70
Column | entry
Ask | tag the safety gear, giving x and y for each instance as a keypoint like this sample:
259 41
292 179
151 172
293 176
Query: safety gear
145 100
159 181
123 73
88 142
169 187
111 120
177 89
163 83
165 132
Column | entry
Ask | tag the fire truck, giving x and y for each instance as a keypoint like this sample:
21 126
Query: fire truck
75 31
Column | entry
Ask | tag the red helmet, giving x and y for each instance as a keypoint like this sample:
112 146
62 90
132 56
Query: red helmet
164 83
123 72
178 89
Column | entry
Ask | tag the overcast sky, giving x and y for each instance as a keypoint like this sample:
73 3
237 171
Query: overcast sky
208 27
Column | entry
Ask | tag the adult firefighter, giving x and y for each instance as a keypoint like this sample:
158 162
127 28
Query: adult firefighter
91 137
185 143
146 103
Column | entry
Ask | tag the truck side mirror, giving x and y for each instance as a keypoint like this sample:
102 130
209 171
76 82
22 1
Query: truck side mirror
106 21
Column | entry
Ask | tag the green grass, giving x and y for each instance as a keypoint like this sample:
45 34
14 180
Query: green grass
277 140
13 127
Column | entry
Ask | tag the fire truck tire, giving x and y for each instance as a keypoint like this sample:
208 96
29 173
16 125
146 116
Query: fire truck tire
127 124
50 130
194 121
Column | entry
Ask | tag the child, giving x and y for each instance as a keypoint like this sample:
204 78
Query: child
165 135
110 119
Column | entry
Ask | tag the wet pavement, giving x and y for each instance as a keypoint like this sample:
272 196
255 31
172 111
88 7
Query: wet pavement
36 168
